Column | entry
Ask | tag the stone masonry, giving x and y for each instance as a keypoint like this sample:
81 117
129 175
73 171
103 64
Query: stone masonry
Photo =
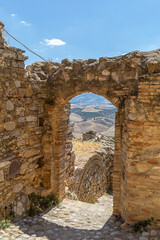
90 181
93 167
34 126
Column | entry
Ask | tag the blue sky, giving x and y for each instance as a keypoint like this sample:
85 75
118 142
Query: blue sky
82 28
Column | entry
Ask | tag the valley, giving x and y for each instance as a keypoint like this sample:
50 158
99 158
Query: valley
92 112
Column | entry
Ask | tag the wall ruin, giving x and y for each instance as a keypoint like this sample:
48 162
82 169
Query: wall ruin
34 126
93 167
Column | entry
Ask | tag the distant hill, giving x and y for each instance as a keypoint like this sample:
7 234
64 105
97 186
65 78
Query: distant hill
90 99
92 112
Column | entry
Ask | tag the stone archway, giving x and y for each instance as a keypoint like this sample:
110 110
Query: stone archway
123 81
116 79
33 125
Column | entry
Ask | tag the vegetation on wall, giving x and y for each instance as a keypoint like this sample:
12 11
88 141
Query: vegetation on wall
40 203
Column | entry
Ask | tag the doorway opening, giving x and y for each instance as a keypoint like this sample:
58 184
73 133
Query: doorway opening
92 125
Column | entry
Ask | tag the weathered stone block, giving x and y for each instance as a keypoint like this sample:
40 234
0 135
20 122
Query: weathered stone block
1 176
20 205
17 83
9 105
115 76
9 126
31 152
31 119
105 72
14 169
29 92
90 76
18 187
4 164
20 111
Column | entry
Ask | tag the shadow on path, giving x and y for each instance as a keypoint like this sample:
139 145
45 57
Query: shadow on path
52 231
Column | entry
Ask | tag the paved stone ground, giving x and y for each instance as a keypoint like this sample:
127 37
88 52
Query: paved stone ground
75 220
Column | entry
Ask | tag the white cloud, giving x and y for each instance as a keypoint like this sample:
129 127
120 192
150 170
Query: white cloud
53 42
13 15
25 23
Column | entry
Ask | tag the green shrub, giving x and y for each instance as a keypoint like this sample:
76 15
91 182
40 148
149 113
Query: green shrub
40 203
5 223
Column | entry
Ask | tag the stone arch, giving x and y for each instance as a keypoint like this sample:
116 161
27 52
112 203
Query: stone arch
58 118
116 79
123 81
112 78
36 115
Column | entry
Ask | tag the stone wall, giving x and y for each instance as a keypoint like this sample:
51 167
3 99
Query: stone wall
20 133
34 126
117 79
90 181
23 122
89 135
70 158
107 154
141 176
93 168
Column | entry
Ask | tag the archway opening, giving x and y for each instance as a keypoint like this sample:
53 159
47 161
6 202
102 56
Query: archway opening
91 133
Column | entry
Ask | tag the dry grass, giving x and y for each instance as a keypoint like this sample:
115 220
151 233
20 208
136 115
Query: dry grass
85 146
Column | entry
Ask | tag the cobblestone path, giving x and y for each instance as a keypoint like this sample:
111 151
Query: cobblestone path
75 220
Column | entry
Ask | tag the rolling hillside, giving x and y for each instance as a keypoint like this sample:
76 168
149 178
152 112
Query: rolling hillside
87 99
92 112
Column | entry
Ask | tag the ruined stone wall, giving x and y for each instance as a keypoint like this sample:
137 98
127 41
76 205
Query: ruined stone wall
70 156
107 154
20 132
118 79
142 160
90 180
93 168
34 126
